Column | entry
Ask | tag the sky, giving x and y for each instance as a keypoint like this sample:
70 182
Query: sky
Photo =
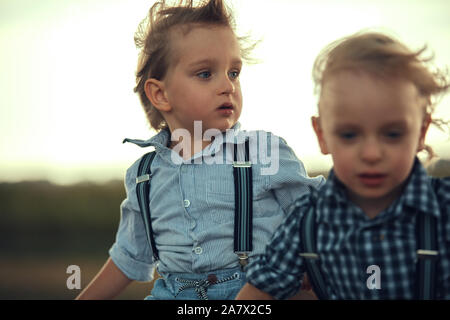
67 76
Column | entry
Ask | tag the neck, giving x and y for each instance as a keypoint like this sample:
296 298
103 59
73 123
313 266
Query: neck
186 147
372 207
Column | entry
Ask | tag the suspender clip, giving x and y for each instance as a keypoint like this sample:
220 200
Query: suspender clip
239 164
309 255
143 178
427 254
243 259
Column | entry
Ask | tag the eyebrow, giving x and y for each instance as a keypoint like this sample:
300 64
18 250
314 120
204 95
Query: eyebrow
208 61
356 126
398 123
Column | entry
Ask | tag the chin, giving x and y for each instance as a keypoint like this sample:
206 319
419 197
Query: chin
377 194
225 126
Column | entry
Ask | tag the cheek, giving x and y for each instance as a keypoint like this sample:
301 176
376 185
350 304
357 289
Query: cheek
238 93
343 163
238 98
402 162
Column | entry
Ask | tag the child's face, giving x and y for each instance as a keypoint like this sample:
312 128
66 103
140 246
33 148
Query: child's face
202 82
372 128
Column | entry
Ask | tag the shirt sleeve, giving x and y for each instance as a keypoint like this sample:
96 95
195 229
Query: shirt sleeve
291 180
131 252
279 271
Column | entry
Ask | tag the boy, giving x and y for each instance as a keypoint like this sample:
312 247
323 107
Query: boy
188 82
374 111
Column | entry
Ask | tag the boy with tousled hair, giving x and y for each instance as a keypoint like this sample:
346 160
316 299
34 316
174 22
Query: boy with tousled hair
188 83
376 100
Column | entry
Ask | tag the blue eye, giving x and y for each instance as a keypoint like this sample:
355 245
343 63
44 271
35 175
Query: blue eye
347 135
233 74
204 75
393 134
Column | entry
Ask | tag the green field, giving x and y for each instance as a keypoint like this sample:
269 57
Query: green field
45 228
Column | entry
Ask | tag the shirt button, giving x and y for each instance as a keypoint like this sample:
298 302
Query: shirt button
198 250
187 203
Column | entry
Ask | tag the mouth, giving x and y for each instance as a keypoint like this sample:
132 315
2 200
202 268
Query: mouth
226 109
372 179
226 106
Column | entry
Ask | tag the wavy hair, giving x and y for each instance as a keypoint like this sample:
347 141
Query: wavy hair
384 56
152 37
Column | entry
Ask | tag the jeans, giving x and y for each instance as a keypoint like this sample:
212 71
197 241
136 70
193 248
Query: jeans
215 285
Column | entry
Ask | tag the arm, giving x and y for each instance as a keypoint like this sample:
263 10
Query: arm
130 256
291 181
304 295
250 292
107 284
279 270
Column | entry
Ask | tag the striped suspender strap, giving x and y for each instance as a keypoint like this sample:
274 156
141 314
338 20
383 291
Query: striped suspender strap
243 210
426 265
310 255
143 191
243 203
427 255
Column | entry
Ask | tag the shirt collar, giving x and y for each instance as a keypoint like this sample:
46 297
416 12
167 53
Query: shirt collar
417 193
333 188
161 139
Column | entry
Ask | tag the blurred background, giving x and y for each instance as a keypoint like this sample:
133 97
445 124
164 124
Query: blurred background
66 103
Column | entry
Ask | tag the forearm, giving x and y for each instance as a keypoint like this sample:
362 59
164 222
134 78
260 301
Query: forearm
250 292
107 284
304 295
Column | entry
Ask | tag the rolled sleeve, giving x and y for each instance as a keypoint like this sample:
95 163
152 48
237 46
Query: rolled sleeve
280 269
130 266
131 252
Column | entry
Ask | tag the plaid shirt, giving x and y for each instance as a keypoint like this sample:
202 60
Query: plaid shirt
348 243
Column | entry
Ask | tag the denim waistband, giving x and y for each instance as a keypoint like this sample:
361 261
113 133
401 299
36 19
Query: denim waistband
197 276
200 283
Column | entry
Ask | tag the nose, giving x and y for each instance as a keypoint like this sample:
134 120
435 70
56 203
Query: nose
226 85
371 150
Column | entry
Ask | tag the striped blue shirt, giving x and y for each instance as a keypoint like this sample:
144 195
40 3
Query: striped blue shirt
192 204
351 245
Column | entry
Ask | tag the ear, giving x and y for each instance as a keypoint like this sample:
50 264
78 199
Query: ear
155 92
315 121
423 132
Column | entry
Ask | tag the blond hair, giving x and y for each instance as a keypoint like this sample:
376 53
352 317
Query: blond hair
152 38
383 56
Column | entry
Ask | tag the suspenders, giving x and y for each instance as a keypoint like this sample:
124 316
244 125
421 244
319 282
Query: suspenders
143 192
427 255
243 208
426 227
243 212
308 241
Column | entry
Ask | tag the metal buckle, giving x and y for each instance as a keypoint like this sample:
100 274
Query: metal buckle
427 254
309 255
239 164
143 178
243 259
